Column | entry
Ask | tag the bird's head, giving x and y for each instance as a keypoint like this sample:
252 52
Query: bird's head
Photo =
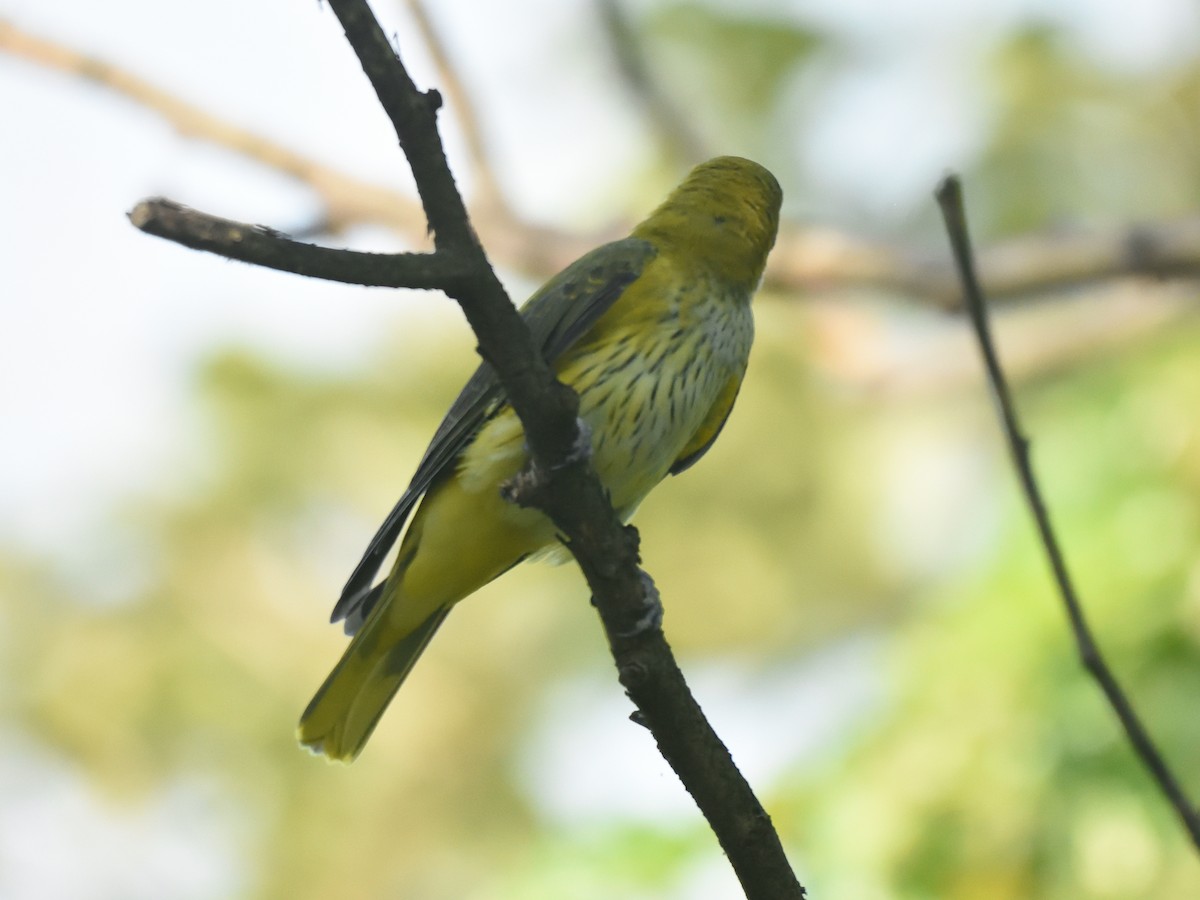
723 217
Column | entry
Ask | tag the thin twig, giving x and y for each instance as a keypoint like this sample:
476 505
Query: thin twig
565 487
949 197
560 480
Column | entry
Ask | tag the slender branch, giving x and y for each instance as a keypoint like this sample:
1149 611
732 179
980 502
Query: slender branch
561 482
807 259
263 246
559 479
949 197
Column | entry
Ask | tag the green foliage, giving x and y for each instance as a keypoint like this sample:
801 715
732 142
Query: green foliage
990 768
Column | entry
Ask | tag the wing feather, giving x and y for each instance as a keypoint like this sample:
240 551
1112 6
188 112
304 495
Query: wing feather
710 428
557 315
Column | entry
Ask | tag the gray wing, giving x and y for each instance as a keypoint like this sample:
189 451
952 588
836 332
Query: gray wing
557 315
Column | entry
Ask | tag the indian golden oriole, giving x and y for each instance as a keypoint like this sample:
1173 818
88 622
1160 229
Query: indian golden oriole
654 333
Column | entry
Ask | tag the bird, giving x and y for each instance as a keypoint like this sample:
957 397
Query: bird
653 332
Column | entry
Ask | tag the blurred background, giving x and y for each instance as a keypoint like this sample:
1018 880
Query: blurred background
194 453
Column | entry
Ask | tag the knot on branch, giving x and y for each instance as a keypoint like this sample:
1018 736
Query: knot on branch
633 546
633 675
433 99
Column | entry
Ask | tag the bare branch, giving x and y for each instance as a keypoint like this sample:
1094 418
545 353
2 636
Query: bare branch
263 246
559 480
564 486
949 196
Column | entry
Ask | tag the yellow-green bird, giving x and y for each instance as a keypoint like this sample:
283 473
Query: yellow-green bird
654 333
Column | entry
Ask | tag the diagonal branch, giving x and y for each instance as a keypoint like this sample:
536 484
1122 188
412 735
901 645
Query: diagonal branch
559 480
949 197
562 483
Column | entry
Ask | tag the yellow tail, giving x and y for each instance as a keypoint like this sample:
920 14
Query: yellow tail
348 706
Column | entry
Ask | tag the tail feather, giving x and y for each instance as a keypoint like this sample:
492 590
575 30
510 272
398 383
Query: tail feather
348 706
